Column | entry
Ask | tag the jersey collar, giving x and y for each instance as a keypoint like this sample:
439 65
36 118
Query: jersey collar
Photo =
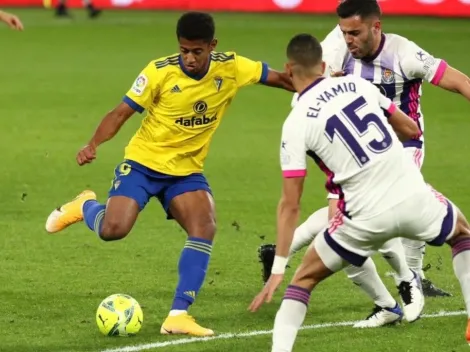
310 86
197 77
377 53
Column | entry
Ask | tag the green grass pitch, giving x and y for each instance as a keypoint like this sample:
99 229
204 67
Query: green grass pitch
58 78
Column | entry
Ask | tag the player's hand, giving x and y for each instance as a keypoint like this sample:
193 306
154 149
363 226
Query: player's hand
11 20
337 74
86 155
266 295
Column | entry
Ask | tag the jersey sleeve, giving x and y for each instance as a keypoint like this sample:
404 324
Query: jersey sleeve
334 51
417 63
293 147
144 89
249 71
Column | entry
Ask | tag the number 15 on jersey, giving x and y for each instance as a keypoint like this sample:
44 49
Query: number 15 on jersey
354 132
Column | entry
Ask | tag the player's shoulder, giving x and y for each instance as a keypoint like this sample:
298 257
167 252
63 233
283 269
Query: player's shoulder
165 63
395 38
295 117
223 63
399 44
227 64
344 82
227 57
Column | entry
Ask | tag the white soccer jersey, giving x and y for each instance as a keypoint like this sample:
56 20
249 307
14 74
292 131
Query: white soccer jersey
334 51
341 124
398 69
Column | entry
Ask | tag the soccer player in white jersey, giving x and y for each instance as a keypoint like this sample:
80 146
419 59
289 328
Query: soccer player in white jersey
386 310
398 67
342 124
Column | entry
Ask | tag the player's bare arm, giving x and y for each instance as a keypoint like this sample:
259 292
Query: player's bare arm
455 81
279 80
288 212
11 20
107 129
405 127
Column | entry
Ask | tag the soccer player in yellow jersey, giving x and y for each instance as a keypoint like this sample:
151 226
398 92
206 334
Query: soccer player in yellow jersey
186 96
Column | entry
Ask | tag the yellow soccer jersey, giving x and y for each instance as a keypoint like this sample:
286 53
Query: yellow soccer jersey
183 111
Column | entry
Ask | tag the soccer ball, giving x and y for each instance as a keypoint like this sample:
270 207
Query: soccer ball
119 315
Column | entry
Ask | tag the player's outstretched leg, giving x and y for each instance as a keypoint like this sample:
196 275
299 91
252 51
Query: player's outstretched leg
306 232
195 213
408 282
110 222
303 236
386 310
68 214
113 221
460 244
414 253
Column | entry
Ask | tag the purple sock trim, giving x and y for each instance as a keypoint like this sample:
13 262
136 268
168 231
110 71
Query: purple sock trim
296 293
461 245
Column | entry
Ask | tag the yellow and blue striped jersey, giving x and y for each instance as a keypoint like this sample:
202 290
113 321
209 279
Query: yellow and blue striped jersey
183 111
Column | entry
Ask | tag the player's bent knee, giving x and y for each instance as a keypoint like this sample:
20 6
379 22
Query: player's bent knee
313 269
353 271
205 229
458 236
306 282
113 230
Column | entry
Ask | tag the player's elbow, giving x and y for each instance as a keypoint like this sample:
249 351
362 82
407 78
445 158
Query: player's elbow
464 87
456 81
409 132
405 127
413 131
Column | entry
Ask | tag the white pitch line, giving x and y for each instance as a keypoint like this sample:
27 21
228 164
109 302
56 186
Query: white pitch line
149 346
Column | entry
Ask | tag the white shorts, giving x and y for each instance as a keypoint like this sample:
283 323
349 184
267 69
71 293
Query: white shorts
425 216
417 154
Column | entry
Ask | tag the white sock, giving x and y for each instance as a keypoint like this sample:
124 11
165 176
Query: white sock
461 263
394 254
175 312
414 254
367 278
289 318
306 232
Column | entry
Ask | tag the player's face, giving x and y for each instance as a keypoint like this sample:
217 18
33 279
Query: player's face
360 35
195 54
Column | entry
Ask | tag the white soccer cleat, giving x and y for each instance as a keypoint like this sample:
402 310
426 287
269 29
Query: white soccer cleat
381 316
412 296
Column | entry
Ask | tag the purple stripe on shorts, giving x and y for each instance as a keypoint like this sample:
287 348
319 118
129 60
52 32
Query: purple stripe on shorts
413 143
446 227
353 258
